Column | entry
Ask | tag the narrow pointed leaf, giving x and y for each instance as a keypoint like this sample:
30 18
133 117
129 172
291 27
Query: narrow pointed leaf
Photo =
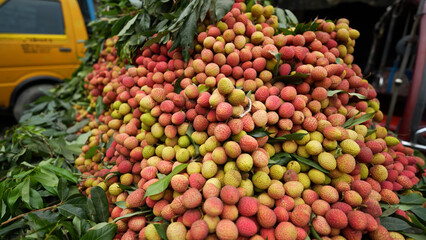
162 184
310 163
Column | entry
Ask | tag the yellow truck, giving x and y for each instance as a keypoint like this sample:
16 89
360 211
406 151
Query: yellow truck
40 45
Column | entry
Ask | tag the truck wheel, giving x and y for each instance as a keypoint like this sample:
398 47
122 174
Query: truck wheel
28 96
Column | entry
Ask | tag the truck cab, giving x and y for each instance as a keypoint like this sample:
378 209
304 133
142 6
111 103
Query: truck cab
41 42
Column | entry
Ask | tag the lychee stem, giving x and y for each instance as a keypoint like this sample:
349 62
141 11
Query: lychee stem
248 110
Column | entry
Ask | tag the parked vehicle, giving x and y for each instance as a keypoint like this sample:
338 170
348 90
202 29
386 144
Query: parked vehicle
41 42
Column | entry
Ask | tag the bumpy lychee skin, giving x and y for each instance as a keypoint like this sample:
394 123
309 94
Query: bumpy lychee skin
372 207
380 233
350 146
199 230
225 86
226 230
404 181
213 206
300 215
266 216
248 206
321 226
352 198
246 226
389 196
192 198
229 195
361 187
248 143
135 198
222 132
329 194
179 183
223 111
285 231
336 218
357 220
176 230
379 173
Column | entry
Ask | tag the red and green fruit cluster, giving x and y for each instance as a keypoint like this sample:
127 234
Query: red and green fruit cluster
201 117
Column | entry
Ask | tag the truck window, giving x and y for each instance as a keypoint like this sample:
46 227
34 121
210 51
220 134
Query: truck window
31 17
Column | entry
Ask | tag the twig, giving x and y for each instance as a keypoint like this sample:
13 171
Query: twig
248 109
48 145
36 210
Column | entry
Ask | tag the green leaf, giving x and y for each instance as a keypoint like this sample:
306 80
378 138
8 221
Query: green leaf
101 231
389 211
161 230
127 27
203 88
100 203
16 225
281 158
310 163
118 25
331 93
352 121
259 132
161 185
420 212
204 9
61 173
415 236
358 95
189 132
69 210
282 20
111 139
68 226
129 215
36 201
91 152
125 187
414 221
315 234
15 194
136 3
25 191
277 56
291 136
121 204
177 86
187 34
47 179
78 126
394 224
412 198
222 7
82 138
99 106
291 17
155 39
63 189
295 78
369 132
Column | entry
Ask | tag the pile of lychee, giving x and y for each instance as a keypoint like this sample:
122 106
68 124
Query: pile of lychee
207 114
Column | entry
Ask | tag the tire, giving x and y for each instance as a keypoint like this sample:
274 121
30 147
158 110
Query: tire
27 96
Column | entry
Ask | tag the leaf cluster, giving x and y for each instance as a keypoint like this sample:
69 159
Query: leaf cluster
412 203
